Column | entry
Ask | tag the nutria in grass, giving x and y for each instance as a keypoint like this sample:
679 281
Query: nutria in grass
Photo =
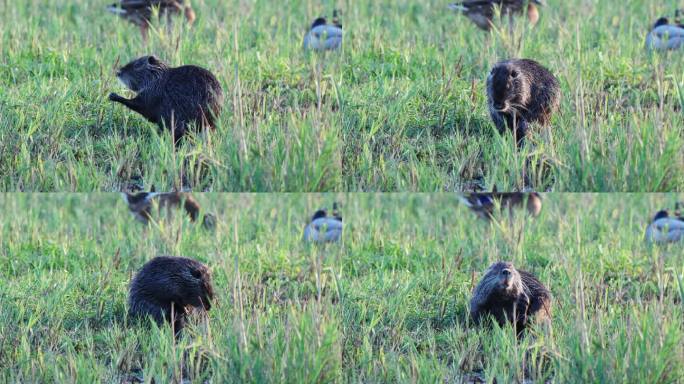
521 92
482 12
175 98
484 204
140 204
140 12
510 296
168 289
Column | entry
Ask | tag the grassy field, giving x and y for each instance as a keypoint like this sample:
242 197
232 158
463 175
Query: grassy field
387 305
280 129
415 114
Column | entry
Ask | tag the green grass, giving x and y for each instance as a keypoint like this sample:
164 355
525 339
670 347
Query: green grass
58 132
415 107
387 305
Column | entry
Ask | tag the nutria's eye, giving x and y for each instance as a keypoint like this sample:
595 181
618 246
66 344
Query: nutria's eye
196 274
514 74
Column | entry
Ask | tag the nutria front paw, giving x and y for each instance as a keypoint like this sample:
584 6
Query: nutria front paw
114 97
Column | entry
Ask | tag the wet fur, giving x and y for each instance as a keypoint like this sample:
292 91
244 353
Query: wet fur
175 98
524 298
170 288
521 92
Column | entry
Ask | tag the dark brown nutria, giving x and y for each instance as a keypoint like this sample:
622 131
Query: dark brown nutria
140 12
510 296
169 289
484 204
521 92
171 97
140 204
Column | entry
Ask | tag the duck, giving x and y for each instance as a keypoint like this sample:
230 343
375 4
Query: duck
140 12
481 12
140 205
483 204
323 36
323 228
665 36
665 229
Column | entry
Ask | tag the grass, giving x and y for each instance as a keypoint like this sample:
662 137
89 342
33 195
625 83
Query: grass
415 107
387 305
58 132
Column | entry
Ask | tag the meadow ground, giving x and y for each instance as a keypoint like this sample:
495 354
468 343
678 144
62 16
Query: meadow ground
389 304
58 131
415 110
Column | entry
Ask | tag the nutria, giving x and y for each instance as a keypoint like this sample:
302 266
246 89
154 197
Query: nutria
511 296
169 289
171 97
481 12
140 205
521 92
483 204
140 12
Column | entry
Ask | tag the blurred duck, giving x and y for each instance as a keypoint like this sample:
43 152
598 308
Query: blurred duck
665 228
483 204
323 36
140 204
140 12
324 228
481 12
665 36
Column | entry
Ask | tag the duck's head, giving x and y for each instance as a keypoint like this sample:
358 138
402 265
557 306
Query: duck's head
660 22
319 21
319 214
661 215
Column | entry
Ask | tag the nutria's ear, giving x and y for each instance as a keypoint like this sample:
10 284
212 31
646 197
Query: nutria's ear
152 188
153 60
196 274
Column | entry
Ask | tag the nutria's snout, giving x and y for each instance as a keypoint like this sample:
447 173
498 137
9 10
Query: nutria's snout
505 281
500 107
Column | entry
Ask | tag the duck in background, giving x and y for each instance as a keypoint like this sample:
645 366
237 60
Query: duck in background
484 204
140 12
482 12
666 36
323 36
665 229
323 228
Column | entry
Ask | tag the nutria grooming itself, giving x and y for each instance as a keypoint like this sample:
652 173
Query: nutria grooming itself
140 12
510 296
169 289
483 204
140 205
171 97
521 92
